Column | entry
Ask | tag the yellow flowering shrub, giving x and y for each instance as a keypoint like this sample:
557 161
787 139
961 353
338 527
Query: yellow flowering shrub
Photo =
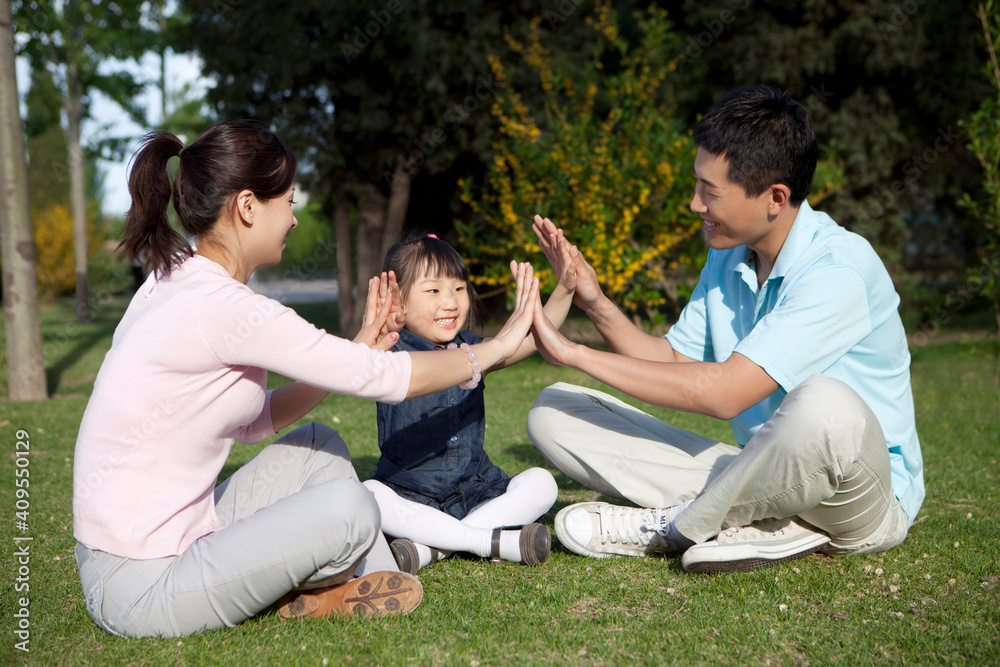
604 159
54 260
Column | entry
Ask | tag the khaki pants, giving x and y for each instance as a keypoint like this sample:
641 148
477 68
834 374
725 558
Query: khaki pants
822 456
295 516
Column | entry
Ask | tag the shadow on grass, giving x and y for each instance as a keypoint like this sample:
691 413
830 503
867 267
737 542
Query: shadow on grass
527 456
64 347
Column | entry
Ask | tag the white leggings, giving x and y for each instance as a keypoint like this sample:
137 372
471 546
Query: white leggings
529 495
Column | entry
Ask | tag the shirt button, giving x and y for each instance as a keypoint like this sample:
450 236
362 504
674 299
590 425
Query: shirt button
452 400
454 438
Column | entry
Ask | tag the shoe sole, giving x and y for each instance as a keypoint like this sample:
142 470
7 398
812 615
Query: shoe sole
746 564
375 594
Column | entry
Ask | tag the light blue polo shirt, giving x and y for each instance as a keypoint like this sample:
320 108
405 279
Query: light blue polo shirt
828 307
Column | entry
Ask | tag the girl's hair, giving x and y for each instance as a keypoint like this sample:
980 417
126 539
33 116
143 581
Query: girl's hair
223 160
426 254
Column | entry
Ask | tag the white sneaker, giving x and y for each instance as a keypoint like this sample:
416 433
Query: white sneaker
600 530
762 543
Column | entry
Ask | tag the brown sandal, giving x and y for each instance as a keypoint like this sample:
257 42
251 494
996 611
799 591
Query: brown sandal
375 594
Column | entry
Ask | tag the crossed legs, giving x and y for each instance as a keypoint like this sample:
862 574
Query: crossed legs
821 457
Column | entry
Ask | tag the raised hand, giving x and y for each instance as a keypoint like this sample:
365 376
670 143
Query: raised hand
552 345
380 309
515 329
389 286
559 252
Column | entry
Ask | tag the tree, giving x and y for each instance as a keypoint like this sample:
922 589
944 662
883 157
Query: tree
25 365
49 201
983 129
75 37
604 153
45 141
375 101
884 81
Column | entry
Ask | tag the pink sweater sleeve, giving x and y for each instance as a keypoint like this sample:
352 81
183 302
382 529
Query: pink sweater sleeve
248 329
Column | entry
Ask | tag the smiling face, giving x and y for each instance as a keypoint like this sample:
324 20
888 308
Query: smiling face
730 218
436 307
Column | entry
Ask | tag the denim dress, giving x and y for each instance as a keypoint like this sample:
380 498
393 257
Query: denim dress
432 446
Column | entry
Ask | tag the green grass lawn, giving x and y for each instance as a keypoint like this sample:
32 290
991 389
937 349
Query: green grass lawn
933 600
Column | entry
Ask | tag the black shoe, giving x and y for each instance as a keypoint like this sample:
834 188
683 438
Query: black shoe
535 544
407 557
405 553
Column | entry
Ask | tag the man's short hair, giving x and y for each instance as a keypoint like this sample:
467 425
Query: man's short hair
767 138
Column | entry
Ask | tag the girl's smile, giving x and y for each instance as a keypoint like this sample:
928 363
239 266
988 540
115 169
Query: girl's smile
436 308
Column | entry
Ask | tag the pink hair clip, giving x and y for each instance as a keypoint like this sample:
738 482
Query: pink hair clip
433 236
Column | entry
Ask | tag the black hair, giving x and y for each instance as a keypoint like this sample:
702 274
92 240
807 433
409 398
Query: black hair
767 138
223 160
421 253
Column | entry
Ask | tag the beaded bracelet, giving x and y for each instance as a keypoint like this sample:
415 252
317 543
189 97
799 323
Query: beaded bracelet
477 372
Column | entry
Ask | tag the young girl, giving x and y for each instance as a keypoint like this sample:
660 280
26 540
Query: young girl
437 489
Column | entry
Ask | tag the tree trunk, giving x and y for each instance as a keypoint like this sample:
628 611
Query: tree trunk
379 226
371 225
78 194
345 290
25 363
395 216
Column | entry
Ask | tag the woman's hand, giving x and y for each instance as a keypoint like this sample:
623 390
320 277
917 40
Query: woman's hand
381 314
560 253
515 329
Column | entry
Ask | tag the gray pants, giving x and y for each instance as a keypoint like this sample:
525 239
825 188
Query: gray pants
822 456
295 516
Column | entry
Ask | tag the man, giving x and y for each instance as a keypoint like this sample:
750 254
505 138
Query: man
792 334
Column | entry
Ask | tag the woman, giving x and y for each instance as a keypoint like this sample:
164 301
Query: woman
161 550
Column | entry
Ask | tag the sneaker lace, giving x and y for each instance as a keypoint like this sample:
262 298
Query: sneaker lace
759 529
632 526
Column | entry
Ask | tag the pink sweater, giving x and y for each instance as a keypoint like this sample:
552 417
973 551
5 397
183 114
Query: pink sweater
185 377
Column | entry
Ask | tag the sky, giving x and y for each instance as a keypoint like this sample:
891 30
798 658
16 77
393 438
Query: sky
107 119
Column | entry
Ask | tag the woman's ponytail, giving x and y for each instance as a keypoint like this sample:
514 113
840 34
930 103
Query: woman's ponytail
223 160
147 225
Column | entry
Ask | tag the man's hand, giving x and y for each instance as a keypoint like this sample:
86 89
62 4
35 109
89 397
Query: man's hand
560 253
552 345
553 241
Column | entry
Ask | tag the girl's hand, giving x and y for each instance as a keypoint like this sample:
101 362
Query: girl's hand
515 330
375 328
389 286
587 290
